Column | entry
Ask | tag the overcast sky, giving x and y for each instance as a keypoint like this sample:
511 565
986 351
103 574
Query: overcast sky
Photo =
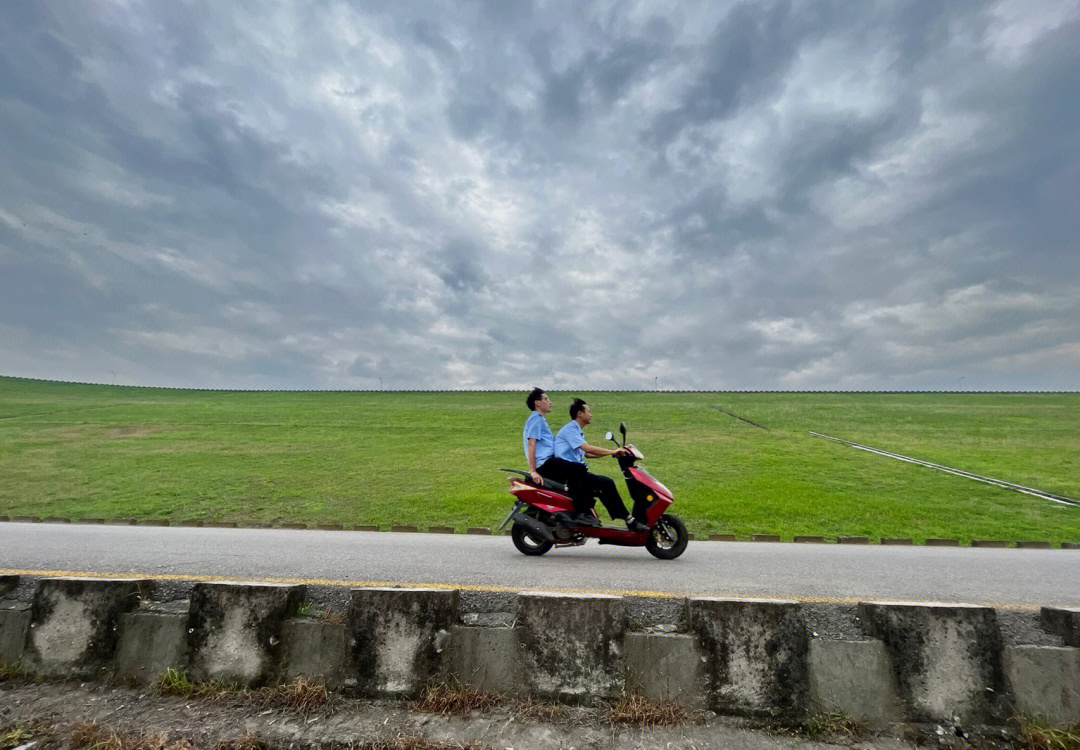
574 195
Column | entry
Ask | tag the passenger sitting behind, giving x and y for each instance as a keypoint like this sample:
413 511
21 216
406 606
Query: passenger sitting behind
570 446
539 446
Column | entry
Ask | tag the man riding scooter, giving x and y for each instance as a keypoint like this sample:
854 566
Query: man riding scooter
570 446
539 446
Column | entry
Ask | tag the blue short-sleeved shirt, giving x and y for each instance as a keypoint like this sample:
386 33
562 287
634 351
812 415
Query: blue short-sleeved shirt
537 427
568 443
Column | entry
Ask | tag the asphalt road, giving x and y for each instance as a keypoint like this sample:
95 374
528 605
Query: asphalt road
805 572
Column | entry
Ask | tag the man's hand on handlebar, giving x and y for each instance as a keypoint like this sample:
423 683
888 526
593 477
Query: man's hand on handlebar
620 452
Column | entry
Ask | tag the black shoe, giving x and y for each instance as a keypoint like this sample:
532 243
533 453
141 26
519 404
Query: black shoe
586 519
634 525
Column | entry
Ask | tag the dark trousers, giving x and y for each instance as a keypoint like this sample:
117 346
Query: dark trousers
583 486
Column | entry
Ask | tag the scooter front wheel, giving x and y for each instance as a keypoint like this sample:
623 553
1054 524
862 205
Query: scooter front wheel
668 538
526 543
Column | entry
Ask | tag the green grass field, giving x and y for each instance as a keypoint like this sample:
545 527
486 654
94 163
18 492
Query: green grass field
388 458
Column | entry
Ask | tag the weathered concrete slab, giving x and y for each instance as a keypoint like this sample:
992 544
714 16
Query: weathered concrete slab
74 623
1044 681
571 645
315 650
150 643
398 637
1063 622
14 627
484 659
666 666
757 654
8 583
855 678
234 629
946 657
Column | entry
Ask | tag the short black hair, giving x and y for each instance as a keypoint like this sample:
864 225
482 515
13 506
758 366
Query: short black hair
576 408
533 397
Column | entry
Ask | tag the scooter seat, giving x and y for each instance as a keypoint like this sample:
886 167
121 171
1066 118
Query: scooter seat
549 484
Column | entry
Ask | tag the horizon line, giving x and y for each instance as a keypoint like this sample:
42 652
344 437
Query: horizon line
556 390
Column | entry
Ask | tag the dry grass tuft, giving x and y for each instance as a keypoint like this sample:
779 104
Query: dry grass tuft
644 713
447 701
1035 735
412 742
84 735
540 710
301 696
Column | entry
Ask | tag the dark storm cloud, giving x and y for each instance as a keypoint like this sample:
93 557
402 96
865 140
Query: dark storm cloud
735 195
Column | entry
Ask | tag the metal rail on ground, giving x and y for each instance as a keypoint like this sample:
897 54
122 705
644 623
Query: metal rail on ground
958 472
741 419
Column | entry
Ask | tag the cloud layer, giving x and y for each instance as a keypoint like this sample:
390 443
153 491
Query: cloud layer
495 194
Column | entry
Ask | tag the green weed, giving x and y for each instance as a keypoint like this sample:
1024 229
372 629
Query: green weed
177 682
1033 734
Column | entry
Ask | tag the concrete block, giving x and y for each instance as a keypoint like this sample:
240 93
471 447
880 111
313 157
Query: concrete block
234 629
946 657
1063 622
855 678
74 623
666 666
315 650
756 652
8 584
14 626
1044 681
150 643
571 645
484 659
398 637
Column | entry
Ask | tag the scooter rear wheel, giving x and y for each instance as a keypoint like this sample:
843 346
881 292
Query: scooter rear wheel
668 538
526 543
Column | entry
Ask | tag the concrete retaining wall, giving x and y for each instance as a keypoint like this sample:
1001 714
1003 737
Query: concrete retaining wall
745 657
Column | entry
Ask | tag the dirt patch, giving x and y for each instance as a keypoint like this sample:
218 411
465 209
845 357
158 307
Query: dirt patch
145 720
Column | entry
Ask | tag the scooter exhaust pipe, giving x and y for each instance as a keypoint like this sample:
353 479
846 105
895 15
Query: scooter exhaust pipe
535 527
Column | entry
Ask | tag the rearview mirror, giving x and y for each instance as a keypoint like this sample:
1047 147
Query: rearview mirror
609 436
622 429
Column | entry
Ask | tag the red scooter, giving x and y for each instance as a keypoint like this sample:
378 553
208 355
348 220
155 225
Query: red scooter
542 515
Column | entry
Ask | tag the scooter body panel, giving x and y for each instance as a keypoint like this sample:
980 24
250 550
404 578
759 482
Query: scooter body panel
546 500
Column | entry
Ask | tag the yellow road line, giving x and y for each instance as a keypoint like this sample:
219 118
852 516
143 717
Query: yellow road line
459 586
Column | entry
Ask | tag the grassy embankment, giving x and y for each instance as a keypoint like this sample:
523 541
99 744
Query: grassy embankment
431 459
